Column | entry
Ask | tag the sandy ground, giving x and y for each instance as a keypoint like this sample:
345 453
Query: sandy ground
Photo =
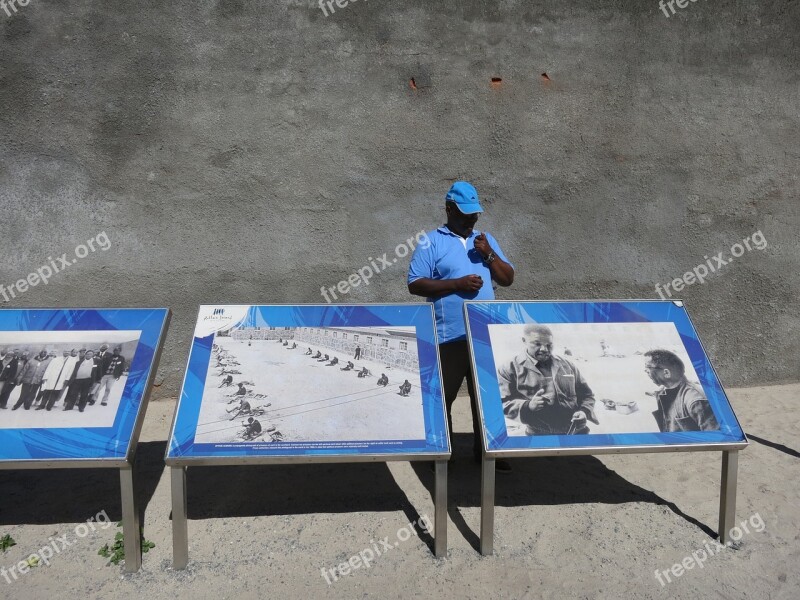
565 527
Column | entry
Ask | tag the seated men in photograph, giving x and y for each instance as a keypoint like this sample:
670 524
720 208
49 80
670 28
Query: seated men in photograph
384 380
405 388
317 355
364 372
325 358
545 392
252 428
309 352
349 366
243 409
333 362
682 405
227 381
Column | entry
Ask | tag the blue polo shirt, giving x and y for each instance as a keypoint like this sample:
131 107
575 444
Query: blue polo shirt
447 257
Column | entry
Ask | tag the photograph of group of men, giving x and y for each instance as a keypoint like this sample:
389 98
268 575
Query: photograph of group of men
47 373
608 378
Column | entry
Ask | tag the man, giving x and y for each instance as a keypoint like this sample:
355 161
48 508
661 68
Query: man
243 408
112 367
52 381
317 355
349 366
227 381
334 362
545 392
71 397
25 379
252 428
6 356
364 372
101 359
682 406
309 352
8 377
458 264
405 388
383 380
67 375
44 358
85 377
358 352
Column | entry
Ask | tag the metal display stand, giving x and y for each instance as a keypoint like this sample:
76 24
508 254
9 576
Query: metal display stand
558 312
131 530
727 498
178 463
180 525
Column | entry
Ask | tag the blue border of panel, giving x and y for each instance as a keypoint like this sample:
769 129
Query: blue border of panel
420 316
91 443
482 314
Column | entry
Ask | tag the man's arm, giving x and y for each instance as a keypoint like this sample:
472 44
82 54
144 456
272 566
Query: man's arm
502 272
432 288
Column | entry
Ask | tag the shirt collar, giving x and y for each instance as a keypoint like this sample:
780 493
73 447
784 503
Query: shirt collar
446 230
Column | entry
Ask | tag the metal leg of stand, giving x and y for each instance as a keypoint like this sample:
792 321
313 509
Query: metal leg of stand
487 506
180 525
131 529
727 496
440 514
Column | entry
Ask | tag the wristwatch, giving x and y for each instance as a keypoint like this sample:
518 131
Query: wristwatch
490 259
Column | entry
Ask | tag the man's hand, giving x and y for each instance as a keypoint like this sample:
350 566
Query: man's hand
579 415
538 401
482 245
469 283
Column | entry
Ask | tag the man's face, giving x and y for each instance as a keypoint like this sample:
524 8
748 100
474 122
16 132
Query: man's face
66 353
116 351
25 355
73 353
539 345
89 354
458 222
659 376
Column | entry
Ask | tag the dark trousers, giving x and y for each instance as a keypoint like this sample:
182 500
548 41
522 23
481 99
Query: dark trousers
84 386
49 398
8 387
27 395
456 365
72 395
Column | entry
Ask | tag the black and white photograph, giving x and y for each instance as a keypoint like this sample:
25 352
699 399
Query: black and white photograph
564 379
63 379
312 384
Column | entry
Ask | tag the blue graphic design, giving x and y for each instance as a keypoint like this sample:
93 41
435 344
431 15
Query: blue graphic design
95 443
480 315
182 442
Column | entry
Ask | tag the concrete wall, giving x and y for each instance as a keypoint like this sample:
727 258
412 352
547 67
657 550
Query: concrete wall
243 151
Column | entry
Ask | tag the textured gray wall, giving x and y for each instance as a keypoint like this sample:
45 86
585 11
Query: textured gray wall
246 151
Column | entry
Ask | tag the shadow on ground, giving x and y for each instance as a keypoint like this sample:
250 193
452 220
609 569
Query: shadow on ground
539 481
247 491
44 496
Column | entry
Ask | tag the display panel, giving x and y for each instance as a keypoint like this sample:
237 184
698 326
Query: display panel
72 381
558 375
309 380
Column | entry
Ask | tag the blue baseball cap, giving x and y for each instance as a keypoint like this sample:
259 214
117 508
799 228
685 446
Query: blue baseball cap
465 196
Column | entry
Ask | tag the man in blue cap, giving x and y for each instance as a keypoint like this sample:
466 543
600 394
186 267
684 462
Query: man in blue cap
458 264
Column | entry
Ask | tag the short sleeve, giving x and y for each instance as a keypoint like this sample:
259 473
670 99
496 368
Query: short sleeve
422 262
